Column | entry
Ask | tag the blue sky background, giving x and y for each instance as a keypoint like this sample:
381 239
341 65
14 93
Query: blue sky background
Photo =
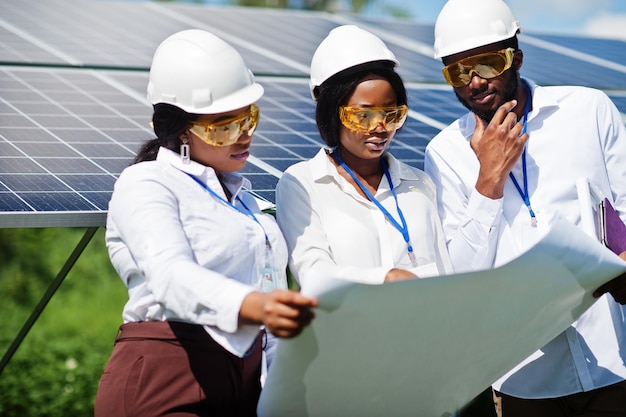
603 18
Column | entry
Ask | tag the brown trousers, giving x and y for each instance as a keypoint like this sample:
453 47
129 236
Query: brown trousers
608 401
176 369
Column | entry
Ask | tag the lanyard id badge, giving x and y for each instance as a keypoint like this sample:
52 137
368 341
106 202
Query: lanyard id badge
269 278
402 228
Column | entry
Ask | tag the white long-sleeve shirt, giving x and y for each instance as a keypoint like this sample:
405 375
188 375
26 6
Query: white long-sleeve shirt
574 132
332 230
183 254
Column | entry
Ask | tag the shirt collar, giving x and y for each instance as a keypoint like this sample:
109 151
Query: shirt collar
233 181
543 99
322 168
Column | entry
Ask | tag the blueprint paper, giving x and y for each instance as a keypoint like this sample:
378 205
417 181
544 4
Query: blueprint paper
426 347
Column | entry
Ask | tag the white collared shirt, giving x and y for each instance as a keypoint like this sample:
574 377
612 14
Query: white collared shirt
574 132
332 230
183 254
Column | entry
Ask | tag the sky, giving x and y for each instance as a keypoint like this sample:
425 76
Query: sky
600 18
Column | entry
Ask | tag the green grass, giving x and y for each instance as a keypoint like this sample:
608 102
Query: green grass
55 371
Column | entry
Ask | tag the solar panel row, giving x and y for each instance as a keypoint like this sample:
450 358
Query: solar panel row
72 92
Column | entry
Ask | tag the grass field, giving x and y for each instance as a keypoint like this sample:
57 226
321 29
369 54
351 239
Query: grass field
56 369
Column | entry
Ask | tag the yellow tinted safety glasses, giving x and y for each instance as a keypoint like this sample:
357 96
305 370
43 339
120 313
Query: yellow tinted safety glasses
487 66
227 132
367 119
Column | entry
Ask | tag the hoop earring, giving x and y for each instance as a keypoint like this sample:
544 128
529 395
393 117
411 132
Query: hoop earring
184 151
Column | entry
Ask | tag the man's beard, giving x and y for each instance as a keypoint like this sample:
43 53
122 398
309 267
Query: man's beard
509 94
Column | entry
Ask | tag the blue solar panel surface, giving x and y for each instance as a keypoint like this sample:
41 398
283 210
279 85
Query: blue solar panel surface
72 92
609 49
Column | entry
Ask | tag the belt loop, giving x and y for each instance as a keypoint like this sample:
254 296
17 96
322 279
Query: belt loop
119 333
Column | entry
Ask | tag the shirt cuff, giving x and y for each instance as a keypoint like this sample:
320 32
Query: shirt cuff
227 319
484 210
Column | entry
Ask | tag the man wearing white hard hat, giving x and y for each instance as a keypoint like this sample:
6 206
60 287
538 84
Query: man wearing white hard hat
504 172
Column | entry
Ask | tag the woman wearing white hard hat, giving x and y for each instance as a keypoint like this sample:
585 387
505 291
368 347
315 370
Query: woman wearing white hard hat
354 212
203 265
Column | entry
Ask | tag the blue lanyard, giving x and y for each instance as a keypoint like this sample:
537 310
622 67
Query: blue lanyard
524 193
247 212
403 229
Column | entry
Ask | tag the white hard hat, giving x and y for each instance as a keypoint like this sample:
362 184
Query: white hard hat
200 73
467 24
345 47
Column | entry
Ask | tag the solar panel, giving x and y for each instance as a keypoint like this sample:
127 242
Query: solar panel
73 75
65 135
609 49
555 64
